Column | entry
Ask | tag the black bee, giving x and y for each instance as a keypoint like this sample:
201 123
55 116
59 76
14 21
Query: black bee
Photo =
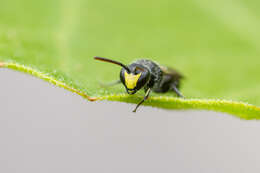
149 75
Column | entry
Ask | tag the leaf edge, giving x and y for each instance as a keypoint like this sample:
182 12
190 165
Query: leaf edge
239 109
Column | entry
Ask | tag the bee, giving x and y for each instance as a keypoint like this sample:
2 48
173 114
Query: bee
150 76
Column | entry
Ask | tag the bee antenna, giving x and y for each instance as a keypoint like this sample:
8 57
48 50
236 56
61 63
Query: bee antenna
113 62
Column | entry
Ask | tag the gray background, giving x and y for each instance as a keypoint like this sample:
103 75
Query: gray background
44 128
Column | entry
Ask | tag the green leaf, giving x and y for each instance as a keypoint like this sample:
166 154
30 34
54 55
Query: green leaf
215 44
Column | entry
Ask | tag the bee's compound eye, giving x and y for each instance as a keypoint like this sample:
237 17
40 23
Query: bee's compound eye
143 80
122 75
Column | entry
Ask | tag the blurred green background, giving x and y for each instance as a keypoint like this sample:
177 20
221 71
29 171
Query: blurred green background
215 44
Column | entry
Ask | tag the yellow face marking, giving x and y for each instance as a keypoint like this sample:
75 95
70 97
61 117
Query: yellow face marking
131 80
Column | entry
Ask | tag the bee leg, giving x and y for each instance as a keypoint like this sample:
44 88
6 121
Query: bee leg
109 84
145 98
176 90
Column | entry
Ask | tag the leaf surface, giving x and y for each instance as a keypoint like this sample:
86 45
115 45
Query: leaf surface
215 44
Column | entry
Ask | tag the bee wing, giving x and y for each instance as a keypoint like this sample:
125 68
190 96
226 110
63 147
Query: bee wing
172 72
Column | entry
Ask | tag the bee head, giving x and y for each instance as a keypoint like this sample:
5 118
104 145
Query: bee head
136 79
